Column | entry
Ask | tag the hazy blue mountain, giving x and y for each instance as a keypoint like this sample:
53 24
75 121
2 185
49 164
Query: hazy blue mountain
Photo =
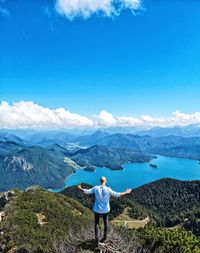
6 136
8 146
175 146
47 138
92 139
58 149
123 140
111 140
24 166
21 132
123 130
171 145
113 158
185 131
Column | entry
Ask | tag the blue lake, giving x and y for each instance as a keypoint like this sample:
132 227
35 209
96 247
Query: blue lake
137 174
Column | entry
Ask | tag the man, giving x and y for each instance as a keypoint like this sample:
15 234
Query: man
102 204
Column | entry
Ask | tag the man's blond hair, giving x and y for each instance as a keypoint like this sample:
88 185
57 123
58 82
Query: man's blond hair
102 179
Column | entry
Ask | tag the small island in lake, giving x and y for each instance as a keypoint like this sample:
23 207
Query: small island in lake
153 165
90 168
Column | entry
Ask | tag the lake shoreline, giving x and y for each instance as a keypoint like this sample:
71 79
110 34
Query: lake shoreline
130 175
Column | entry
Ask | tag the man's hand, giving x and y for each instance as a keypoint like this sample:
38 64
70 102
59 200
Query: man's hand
79 187
128 191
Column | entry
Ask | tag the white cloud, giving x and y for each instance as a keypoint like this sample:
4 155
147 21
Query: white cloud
177 118
85 8
185 118
106 119
26 114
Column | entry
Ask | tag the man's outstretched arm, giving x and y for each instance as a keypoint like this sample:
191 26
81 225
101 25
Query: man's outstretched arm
128 191
86 191
119 194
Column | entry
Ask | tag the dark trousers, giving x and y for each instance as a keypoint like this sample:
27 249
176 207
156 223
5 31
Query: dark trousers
105 221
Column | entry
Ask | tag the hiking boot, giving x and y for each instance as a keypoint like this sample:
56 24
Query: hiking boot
96 243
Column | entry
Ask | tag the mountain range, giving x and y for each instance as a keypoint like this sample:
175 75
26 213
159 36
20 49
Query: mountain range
22 166
47 158
170 145
192 130
167 202
38 221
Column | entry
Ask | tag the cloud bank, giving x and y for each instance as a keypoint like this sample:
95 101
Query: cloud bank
85 8
177 118
26 114
30 115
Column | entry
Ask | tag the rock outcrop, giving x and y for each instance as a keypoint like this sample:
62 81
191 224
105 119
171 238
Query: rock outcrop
5 197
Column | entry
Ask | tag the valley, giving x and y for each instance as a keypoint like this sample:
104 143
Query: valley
49 158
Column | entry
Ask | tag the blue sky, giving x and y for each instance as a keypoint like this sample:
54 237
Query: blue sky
127 64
